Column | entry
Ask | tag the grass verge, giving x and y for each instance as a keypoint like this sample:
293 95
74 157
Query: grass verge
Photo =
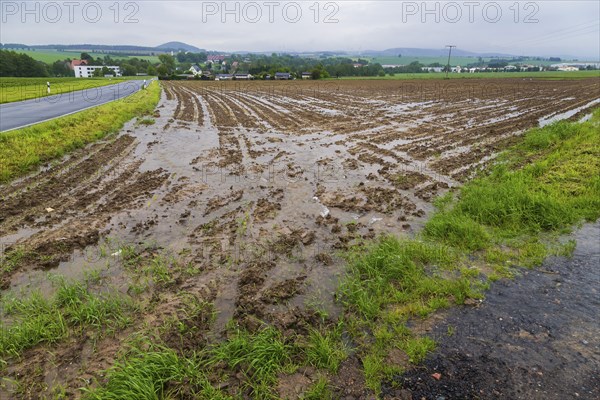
23 150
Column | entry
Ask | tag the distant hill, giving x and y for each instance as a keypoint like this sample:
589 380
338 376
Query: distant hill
179 46
418 52
104 48
404 51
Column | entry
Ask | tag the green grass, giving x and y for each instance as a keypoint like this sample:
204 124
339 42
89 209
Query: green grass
318 391
155 372
539 189
50 56
18 89
557 186
390 282
23 150
73 310
259 356
551 75
325 349
392 271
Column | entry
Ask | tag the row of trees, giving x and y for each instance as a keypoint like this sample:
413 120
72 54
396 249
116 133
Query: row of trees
15 64
322 67
20 65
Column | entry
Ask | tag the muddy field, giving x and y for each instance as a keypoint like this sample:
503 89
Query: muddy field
256 186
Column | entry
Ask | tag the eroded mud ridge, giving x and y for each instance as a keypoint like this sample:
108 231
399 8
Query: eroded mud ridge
255 186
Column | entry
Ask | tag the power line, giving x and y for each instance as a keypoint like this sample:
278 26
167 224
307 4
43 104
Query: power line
566 36
557 33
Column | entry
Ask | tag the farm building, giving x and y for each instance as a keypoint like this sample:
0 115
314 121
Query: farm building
282 76
87 71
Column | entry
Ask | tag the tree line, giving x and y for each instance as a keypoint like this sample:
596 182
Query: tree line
13 64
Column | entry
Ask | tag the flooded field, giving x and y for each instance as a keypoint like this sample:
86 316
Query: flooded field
254 188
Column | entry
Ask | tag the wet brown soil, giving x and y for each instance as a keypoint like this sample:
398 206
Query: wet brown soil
257 186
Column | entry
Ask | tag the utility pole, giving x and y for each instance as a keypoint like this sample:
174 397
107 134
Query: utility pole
450 46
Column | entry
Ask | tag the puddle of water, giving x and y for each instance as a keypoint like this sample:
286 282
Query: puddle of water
560 116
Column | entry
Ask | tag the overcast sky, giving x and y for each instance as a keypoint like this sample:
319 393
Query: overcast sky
516 27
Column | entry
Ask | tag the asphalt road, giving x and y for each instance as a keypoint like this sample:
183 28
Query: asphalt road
536 337
28 112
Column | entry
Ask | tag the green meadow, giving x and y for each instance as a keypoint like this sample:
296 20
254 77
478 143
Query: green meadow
50 56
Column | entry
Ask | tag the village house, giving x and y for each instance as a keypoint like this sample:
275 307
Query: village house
282 76
215 58
195 70
306 75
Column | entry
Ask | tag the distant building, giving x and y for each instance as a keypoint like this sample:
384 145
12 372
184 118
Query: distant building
433 69
87 71
77 63
195 70
223 77
214 58
577 65
243 76
568 68
282 76
306 75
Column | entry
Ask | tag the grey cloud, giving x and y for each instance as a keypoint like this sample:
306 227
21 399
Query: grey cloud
362 25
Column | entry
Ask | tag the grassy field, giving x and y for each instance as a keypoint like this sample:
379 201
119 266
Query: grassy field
18 89
539 75
23 150
509 217
50 56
